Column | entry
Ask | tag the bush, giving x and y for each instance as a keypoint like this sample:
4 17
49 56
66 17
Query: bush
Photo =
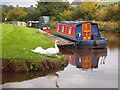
108 26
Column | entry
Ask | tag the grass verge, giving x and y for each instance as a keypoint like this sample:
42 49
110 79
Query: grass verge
18 41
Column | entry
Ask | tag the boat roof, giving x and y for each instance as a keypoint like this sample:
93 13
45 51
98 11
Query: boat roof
33 22
74 23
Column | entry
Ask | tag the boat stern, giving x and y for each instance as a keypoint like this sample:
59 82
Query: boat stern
92 44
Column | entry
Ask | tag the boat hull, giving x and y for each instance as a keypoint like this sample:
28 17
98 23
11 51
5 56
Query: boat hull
86 44
92 44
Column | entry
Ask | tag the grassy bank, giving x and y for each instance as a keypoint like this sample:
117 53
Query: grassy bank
17 43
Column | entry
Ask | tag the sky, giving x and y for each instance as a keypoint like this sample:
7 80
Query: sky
28 3
23 3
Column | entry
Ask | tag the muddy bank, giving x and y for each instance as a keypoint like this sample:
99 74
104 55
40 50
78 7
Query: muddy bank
26 66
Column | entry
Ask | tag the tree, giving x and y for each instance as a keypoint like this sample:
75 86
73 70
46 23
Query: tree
113 13
66 15
32 14
101 14
7 8
16 14
3 15
52 8
88 9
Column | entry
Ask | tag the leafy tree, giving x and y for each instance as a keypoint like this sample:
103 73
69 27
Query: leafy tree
52 8
113 13
88 9
71 15
77 14
16 14
32 14
66 15
101 14
3 15
7 8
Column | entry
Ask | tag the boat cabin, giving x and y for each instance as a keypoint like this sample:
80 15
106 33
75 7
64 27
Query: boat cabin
81 32
44 23
78 30
32 24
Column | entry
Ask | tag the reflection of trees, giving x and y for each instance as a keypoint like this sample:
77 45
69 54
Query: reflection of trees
112 40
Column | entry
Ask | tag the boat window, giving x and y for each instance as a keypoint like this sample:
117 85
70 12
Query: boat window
62 28
30 24
88 26
58 27
70 30
67 28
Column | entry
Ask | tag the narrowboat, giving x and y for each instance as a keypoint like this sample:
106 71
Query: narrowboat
44 24
32 24
83 34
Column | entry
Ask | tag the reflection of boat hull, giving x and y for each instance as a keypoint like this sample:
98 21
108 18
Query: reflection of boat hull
68 51
85 59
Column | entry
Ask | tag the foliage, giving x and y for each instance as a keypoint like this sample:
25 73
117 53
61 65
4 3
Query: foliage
66 15
77 14
113 13
52 8
108 26
61 11
88 9
32 14
7 8
18 41
101 15
16 14
3 15
71 15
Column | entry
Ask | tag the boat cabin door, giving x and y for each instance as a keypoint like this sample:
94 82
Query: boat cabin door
86 31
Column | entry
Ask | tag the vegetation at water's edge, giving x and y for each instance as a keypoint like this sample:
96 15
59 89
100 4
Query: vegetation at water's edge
108 26
107 12
113 39
18 41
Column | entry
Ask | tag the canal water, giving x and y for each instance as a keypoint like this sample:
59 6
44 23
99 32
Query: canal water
86 69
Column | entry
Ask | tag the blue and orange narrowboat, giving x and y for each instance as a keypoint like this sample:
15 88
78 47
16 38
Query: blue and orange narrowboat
83 34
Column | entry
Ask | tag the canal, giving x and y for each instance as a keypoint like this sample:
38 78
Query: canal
86 69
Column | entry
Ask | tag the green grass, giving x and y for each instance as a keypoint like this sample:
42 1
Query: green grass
18 41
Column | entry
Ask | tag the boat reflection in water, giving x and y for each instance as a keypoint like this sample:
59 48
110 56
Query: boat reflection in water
86 59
